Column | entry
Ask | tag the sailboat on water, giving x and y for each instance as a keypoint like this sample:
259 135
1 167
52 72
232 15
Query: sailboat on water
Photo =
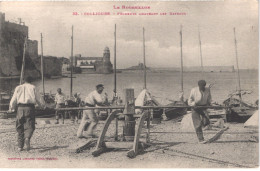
47 97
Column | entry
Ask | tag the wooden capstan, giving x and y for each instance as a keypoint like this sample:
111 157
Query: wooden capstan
131 136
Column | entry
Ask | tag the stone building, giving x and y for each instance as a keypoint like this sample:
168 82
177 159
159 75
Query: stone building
101 65
12 38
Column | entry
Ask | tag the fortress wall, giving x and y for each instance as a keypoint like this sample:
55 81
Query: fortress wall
52 65
104 69
15 28
32 48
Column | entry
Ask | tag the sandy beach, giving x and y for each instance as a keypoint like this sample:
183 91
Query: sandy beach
170 147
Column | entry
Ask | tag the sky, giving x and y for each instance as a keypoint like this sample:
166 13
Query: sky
92 33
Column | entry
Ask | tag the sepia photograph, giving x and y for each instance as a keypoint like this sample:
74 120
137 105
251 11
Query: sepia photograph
129 84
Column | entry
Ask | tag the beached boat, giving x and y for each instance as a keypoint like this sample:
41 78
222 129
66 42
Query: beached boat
172 113
240 111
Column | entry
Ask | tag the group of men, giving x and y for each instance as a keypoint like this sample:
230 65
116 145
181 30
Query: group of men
61 102
25 98
89 118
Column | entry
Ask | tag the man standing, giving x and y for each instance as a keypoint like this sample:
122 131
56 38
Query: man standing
74 114
200 96
60 100
94 98
25 97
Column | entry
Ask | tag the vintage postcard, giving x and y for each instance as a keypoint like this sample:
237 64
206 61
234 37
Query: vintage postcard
129 84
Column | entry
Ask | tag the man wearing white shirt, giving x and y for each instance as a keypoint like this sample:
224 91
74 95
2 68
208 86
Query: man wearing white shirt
24 98
94 98
200 96
60 100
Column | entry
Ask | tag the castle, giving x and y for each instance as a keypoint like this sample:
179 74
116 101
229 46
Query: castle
101 65
12 38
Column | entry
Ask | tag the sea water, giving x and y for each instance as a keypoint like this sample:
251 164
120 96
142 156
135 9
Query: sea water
163 85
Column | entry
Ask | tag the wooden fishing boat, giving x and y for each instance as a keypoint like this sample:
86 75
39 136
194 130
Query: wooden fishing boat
172 113
240 111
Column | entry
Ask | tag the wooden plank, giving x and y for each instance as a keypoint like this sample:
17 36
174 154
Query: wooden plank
116 130
81 144
121 145
104 130
99 151
216 136
132 153
146 107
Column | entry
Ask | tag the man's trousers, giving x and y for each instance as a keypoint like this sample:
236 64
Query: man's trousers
25 123
93 122
199 119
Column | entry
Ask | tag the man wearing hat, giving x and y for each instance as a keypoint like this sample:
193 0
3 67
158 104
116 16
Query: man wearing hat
94 98
60 100
25 98
200 96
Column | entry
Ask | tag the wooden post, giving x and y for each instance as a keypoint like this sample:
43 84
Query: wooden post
129 127
71 63
201 61
238 75
115 93
144 60
23 64
42 70
181 65
116 131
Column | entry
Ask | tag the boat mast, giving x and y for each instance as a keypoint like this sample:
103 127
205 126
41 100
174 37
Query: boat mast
239 86
144 60
181 64
43 89
115 93
201 61
71 63
23 63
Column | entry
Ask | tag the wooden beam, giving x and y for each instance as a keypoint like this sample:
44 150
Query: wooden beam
42 68
129 124
119 144
217 135
146 107
81 145
23 62
104 130
144 60
129 101
132 153
71 64
99 151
